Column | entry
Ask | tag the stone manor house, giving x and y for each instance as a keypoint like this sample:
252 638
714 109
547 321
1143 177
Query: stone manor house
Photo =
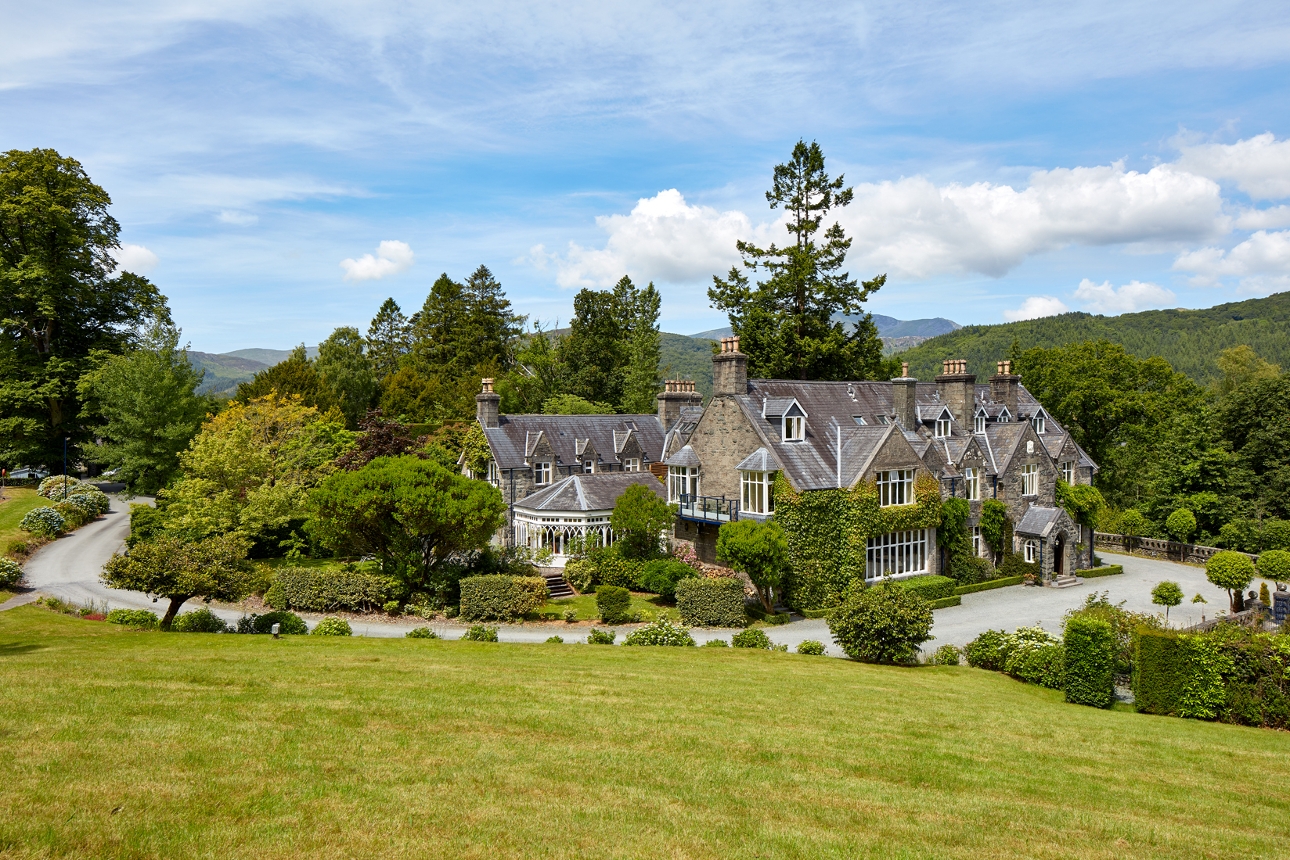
561 474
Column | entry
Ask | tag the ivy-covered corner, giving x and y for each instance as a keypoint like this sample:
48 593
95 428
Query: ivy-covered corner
475 451
828 534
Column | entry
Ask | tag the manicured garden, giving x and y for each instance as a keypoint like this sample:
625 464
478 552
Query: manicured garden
197 745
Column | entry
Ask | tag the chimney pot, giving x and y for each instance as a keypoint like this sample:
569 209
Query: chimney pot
904 370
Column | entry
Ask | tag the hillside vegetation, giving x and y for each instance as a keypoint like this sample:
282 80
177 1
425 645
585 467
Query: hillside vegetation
1189 340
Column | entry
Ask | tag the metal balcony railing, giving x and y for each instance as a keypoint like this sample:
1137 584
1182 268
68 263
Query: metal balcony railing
708 509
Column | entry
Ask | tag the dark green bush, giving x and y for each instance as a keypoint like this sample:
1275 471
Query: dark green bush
199 621
315 589
1160 671
1090 662
421 633
612 569
716 643
1015 565
499 597
1123 624
810 646
661 576
661 632
989 585
555 640
146 522
601 637
480 633
613 603
989 651
711 602
968 569
930 587
883 624
141 619
289 623
332 626
947 655
751 638
1039 663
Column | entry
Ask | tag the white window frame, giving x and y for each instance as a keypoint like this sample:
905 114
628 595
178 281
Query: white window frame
494 475
542 473
977 541
895 487
1068 471
1038 422
1031 550
794 428
632 464
1005 416
757 492
896 554
972 484
588 467
943 427
1030 479
682 481
978 423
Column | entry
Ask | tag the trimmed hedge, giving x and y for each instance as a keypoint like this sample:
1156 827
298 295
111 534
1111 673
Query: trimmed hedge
322 590
1105 570
1178 674
817 613
711 602
1090 662
499 597
945 602
930 587
1002 582
613 603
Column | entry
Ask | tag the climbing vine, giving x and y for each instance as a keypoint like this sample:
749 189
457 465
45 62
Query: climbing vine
475 451
828 533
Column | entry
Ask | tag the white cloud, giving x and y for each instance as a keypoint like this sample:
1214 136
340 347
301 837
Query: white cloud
1259 165
236 218
392 257
135 258
1263 219
1261 262
1134 296
1036 307
663 238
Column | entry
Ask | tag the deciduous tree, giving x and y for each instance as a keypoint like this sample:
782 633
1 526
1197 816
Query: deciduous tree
345 372
214 568
758 549
639 519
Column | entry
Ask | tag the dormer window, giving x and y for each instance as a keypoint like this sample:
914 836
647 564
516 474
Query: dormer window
1004 416
632 464
794 428
859 420
589 467
884 419
1038 422
943 425
978 423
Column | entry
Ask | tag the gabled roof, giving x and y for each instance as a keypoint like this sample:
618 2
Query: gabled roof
776 407
1038 522
684 457
758 461
516 437
582 493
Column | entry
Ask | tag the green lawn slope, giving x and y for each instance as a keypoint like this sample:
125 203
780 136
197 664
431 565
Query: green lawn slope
1190 340
16 504
126 744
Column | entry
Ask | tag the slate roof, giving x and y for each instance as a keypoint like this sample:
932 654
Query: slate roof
684 457
583 493
758 461
1038 522
679 433
516 437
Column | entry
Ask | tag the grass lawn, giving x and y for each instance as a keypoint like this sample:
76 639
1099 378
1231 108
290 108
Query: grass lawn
132 744
650 607
14 507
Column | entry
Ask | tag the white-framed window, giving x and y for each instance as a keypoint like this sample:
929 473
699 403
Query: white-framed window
1068 471
794 428
682 481
1030 479
589 467
1004 416
1032 551
942 426
972 484
896 554
977 542
859 420
1038 421
978 423
632 464
757 492
896 487
494 475
542 473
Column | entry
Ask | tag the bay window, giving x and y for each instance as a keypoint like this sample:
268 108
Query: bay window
682 481
757 492
896 554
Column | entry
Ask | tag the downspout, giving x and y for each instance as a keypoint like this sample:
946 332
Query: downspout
839 429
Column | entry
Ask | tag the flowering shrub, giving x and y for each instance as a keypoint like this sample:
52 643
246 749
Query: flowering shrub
683 551
53 486
93 500
332 626
10 572
661 632
44 521
947 655
601 637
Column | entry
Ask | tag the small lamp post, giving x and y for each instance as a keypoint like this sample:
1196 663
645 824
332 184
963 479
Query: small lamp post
276 628
66 439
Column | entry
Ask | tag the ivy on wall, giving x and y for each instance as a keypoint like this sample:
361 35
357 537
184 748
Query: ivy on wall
828 534
477 453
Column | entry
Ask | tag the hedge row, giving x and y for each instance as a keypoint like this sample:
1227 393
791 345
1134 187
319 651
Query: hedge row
944 602
930 587
1090 662
986 586
324 590
498 597
711 602
1105 570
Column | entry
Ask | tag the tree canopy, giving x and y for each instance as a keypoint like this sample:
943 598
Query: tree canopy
344 371
639 520
758 549
167 566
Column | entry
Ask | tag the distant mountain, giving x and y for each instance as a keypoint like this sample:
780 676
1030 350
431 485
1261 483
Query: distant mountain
225 370
1190 340
896 334
269 357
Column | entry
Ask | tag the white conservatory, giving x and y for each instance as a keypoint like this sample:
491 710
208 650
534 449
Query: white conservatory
575 509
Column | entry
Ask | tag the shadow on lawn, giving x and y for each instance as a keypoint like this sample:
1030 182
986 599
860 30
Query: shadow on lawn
13 649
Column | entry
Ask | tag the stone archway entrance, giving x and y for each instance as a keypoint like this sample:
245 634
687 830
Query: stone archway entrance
1059 555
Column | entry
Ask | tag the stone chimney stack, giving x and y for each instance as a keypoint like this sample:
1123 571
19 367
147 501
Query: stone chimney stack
729 369
486 404
1004 385
957 388
903 390
676 394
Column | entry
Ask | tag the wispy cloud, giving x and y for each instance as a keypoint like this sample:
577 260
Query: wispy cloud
1134 296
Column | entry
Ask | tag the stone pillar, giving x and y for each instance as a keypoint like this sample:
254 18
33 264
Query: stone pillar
903 391
957 388
486 405
1003 387
729 369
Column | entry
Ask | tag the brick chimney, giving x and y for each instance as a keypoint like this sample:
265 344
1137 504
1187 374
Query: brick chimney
1004 385
486 404
676 393
729 369
957 388
903 390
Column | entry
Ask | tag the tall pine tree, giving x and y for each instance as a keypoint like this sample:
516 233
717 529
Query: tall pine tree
640 373
492 328
388 339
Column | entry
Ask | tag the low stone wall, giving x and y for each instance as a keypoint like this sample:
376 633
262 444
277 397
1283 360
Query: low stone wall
1166 550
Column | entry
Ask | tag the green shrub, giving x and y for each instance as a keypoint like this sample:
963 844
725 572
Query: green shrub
141 619
883 624
332 626
146 522
421 633
929 587
480 633
661 576
967 569
947 655
1040 663
1015 565
391 607
601 637
498 597
946 602
329 589
580 574
1090 662
289 623
570 616
811 647
716 643
1179 674
56 485
92 499
1104 570
613 603
199 621
1002 582
45 522
555 640
74 516
711 602
1123 624
1275 565
11 572
989 650
751 638
661 632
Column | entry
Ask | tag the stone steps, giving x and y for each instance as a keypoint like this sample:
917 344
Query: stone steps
556 584
1065 581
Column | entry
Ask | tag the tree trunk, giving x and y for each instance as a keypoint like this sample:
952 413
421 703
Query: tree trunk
173 610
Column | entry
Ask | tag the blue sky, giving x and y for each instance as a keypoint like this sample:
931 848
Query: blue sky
280 168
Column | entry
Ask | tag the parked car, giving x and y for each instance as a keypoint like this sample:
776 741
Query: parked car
28 472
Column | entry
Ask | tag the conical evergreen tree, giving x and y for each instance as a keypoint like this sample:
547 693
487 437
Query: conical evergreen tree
388 339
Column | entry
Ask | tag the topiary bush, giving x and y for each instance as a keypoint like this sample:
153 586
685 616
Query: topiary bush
199 621
751 638
499 597
989 651
661 632
1231 571
421 633
332 626
930 587
883 624
811 647
45 522
1275 565
601 637
10 572
711 602
1090 662
328 590
480 633
289 624
661 576
580 574
140 619
613 603
947 655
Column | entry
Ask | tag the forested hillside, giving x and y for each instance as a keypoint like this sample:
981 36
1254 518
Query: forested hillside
1190 340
